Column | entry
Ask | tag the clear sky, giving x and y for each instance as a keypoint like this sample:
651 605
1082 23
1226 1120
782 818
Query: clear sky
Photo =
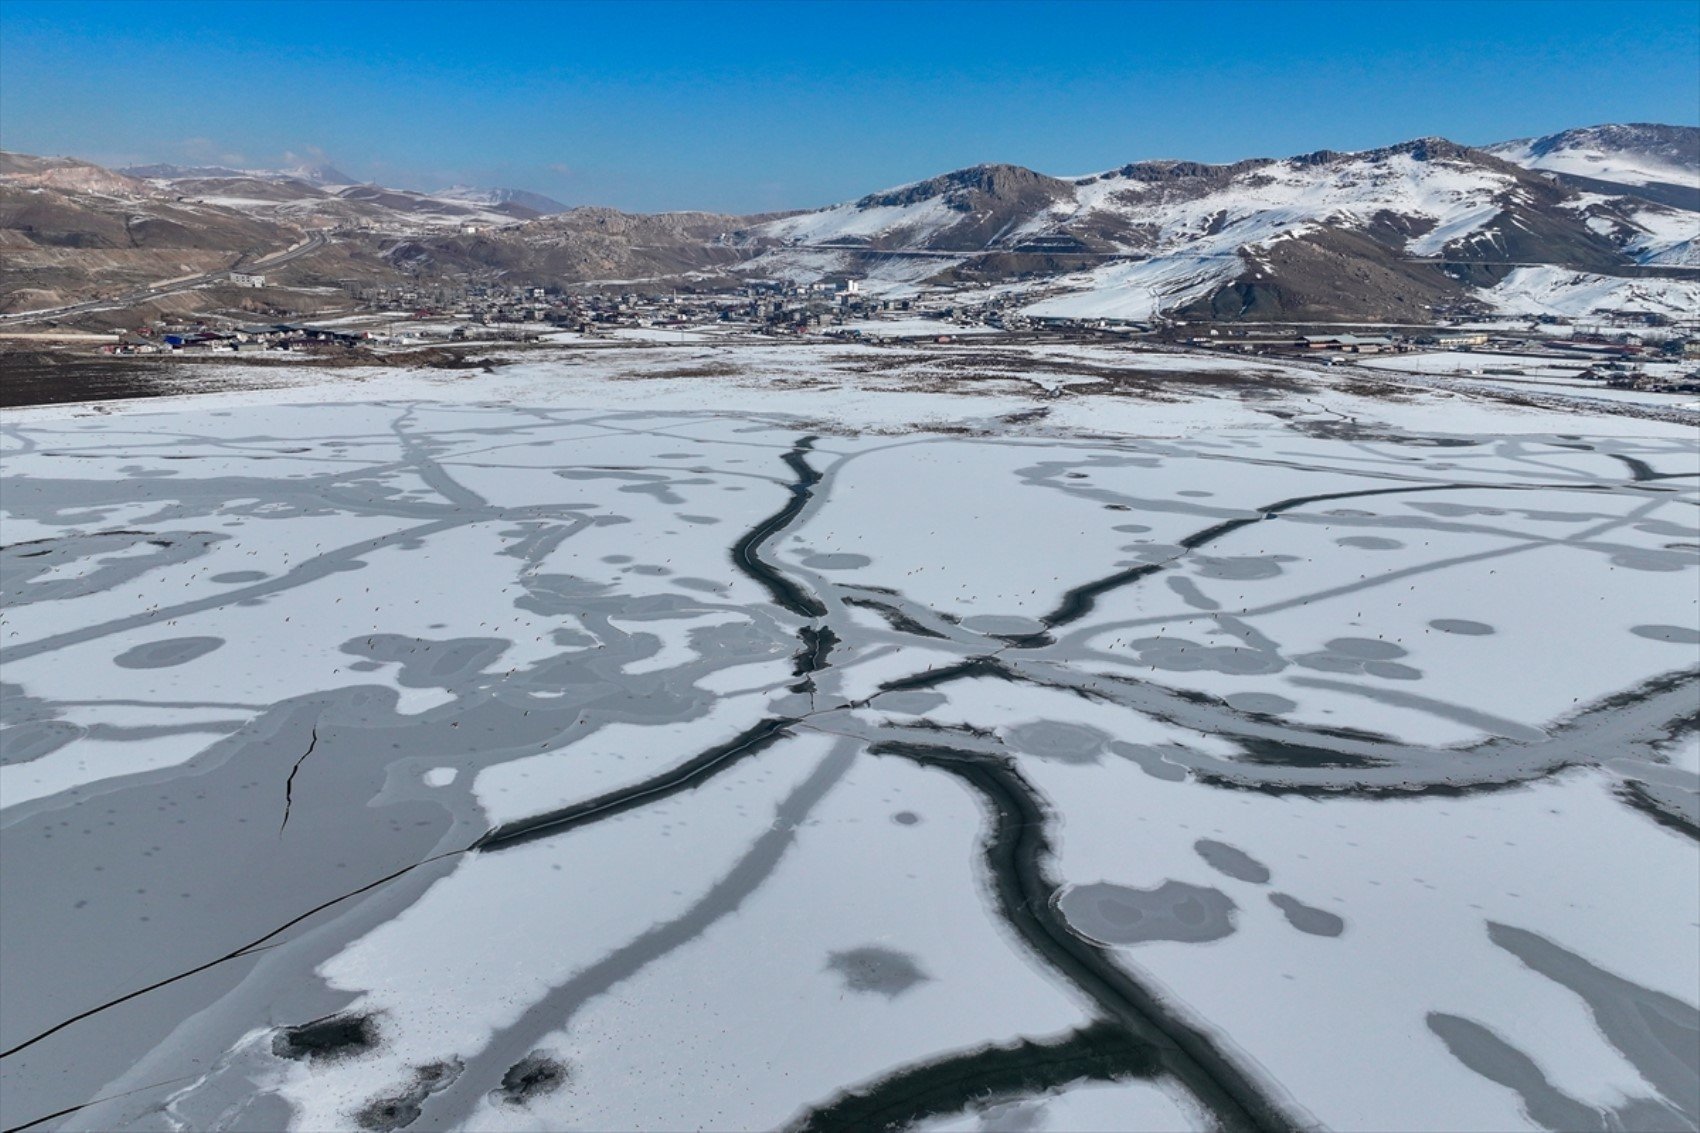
751 106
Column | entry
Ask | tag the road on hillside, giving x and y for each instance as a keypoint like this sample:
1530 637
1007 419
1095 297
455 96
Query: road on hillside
314 242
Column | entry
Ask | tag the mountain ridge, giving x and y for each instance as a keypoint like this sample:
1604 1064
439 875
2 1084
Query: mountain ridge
1401 231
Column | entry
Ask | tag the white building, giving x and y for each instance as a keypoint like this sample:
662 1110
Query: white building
243 280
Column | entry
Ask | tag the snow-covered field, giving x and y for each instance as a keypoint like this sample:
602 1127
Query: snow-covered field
1039 738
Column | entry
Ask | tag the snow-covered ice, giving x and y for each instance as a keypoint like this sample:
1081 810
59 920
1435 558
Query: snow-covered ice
1037 737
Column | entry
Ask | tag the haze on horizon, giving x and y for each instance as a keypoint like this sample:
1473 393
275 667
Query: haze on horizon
746 107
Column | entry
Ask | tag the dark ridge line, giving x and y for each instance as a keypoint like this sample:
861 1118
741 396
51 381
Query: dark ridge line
1101 1051
289 783
682 777
1229 782
785 592
1025 640
1320 733
246 949
10 547
895 618
1623 698
973 667
1015 849
983 666
971 731
1079 601
1636 796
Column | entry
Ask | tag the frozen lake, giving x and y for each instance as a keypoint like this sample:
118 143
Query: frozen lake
482 764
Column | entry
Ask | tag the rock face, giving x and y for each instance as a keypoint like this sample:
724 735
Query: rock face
1398 233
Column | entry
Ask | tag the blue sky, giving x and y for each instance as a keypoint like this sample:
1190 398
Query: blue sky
751 106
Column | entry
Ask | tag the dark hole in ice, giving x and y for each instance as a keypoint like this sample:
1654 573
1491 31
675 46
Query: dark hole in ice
385 1114
532 1076
404 1107
334 1036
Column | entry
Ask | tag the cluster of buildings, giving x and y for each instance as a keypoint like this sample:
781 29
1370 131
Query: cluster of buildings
1344 343
1635 376
201 337
770 307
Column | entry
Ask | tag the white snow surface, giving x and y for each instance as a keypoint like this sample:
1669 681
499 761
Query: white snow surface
1550 290
1599 162
1415 659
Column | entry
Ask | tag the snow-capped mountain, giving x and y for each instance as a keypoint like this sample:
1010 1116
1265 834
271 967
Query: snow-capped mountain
320 173
493 198
1635 154
1401 233
312 195
1387 233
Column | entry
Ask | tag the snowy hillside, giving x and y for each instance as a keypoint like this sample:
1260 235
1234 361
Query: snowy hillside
1404 233
536 202
311 174
1158 236
1635 154
1572 294
1254 238
1443 192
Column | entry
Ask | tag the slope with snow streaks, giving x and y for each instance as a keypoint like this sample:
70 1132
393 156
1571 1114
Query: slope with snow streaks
1633 154
1456 197
1424 200
1162 206
1198 228
1548 290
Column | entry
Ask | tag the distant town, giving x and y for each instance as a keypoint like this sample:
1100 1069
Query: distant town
1649 352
